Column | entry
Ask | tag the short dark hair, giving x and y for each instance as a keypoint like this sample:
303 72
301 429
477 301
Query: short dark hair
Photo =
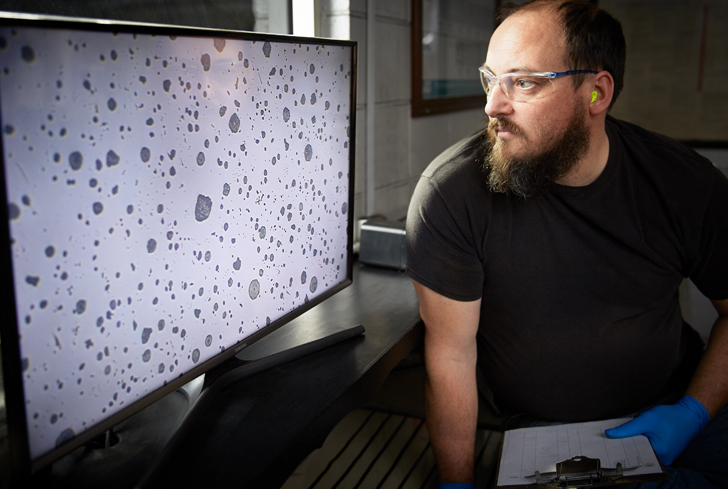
594 39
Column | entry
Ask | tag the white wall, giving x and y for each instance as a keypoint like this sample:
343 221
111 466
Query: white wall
389 159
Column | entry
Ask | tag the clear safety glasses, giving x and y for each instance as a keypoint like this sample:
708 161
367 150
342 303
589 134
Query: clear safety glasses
523 87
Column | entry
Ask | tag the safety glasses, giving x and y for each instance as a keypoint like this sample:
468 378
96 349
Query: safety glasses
523 87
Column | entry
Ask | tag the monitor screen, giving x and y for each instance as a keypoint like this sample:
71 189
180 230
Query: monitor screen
172 194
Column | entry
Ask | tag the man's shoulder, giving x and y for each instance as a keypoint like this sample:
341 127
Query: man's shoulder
452 192
656 149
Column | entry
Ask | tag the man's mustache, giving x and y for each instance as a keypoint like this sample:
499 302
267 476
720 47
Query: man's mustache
503 125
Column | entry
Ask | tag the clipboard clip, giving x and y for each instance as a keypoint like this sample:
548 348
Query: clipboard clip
579 471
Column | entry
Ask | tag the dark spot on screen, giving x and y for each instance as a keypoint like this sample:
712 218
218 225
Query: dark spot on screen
254 289
146 332
205 60
112 159
75 159
203 207
27 53
234 123
65 436
13 211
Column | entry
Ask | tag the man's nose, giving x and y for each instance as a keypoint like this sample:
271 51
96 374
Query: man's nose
498 103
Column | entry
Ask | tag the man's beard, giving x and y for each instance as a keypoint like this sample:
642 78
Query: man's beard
529 174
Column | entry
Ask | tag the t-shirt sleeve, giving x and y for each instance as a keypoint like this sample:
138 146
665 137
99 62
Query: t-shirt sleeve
710 272
441 250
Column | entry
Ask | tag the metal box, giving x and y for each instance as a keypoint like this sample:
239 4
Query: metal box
382 243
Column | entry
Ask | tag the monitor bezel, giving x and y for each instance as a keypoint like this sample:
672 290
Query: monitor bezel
22 466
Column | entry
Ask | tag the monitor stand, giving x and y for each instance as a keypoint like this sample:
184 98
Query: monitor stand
279 347
283 345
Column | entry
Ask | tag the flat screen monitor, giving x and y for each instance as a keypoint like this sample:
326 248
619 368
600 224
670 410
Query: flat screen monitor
172 194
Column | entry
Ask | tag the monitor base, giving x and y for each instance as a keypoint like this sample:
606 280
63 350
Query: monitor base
271 351
268 354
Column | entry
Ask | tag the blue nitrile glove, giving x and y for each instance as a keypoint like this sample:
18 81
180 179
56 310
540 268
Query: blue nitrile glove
669 428
453 485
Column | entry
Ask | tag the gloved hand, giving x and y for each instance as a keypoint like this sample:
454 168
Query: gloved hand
669 428
453 485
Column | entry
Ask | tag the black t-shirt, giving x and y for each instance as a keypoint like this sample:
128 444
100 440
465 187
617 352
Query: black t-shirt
580 316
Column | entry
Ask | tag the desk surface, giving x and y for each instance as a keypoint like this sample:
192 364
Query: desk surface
255 431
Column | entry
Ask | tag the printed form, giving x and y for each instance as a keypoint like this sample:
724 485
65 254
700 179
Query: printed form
540 448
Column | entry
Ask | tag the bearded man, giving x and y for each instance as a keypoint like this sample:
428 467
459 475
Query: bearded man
548 249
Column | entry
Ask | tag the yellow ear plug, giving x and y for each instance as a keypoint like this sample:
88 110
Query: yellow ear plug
594 96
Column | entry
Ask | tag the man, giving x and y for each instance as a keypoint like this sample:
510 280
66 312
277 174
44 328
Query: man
549 249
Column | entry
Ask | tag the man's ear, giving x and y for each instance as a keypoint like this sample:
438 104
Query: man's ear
600 90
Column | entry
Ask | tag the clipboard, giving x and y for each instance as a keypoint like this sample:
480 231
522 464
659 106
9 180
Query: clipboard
578 470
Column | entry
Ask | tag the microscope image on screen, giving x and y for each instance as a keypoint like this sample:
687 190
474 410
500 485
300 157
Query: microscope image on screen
167 197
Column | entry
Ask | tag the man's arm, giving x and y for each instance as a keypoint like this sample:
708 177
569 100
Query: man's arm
670 428
451 390
710 382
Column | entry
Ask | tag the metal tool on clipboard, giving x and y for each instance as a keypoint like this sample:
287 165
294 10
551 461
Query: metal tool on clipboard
580 471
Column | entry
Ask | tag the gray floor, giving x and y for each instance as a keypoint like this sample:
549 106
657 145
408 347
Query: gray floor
373 449
386 444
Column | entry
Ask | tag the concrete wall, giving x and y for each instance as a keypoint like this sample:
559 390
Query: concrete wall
392 148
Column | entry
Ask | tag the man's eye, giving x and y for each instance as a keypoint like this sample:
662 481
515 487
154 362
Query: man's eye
525 83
